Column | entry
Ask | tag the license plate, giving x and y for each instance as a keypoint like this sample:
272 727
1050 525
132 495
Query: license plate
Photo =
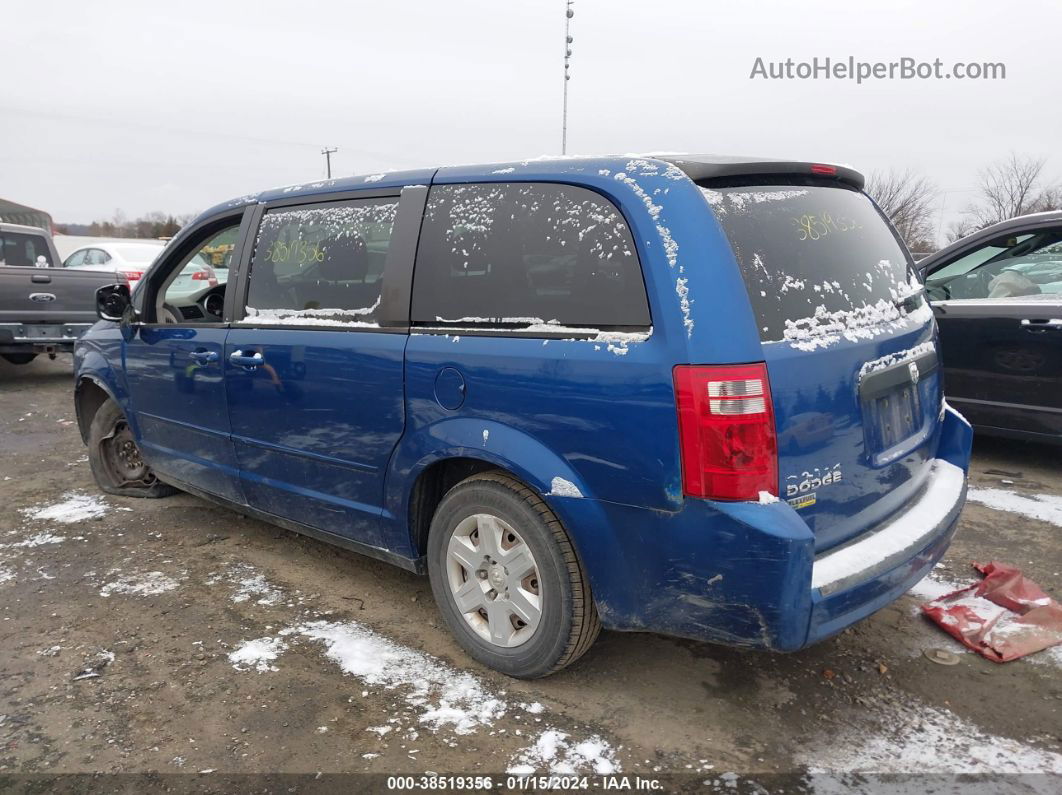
895 415
42 331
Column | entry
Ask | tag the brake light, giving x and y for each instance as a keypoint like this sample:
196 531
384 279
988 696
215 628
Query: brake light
726 431
133 275
200 276
820 168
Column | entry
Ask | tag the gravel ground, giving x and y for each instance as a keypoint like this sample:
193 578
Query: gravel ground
173 636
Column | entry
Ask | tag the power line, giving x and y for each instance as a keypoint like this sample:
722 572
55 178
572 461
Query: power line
171 129
328 159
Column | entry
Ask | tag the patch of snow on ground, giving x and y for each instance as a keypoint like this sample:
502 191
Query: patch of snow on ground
257 588
442 695
149 583
249 585
1052 656
38 540
257 654
6 574
252 585
917 738
74 508
560 487
556 753
935 585
1045 507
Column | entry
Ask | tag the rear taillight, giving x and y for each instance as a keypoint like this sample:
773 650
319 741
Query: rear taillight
133 275
726 431
822 168
208 276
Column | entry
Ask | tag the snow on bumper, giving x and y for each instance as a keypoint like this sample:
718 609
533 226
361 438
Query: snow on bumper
898 541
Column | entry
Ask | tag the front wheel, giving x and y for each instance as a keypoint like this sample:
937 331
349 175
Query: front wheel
507 580
19 358
115 457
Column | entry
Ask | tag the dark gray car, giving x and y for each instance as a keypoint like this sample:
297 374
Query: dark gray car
997 297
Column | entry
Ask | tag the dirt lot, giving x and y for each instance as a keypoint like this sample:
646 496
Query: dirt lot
125 648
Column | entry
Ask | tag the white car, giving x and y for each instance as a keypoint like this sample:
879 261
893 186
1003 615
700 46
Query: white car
132 259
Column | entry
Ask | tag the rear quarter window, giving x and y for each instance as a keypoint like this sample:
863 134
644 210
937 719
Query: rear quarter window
519 254
817 261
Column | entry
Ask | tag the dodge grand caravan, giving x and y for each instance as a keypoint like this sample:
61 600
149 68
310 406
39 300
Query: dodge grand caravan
698 396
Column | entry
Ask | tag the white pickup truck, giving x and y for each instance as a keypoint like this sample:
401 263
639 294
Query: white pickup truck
43 307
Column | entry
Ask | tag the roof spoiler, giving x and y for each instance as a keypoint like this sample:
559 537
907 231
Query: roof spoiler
698 170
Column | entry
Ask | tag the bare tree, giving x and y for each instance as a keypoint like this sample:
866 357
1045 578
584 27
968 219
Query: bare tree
960 228
1012 187
908 200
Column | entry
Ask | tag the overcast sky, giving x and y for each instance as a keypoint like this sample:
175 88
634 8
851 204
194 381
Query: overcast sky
176 106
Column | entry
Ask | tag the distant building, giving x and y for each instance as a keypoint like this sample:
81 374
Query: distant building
14 213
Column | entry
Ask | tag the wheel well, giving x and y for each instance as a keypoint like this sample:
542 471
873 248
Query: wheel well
431 487
88 398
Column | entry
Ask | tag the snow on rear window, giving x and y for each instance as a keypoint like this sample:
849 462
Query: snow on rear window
527 250
819 263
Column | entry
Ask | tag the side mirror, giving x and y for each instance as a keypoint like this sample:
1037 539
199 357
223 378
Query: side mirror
113 302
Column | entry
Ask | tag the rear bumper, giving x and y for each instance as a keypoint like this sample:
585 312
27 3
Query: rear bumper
40 337
893 559
746 574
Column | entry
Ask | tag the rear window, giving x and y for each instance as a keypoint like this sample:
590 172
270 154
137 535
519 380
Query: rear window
520 254
816 260
20 249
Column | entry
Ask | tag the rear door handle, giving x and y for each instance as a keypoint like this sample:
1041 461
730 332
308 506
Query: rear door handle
246 359
1039 326
204 356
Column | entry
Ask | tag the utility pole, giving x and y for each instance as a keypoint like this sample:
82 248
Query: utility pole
568 14
328 159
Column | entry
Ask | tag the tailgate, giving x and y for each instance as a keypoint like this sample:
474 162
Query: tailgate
850 346
49 295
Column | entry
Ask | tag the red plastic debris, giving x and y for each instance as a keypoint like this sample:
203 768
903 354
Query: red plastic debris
1003 617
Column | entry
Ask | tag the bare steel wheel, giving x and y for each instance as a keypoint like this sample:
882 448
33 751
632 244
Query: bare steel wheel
115 458
122 457
507 579
494 580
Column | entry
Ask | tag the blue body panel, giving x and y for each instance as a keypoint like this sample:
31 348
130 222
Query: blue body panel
313 428
335 431
181 407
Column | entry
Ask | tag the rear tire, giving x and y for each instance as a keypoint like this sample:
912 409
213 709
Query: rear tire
497 548
19 358
115 458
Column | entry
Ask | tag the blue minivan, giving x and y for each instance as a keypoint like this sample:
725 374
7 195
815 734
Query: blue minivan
694 395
